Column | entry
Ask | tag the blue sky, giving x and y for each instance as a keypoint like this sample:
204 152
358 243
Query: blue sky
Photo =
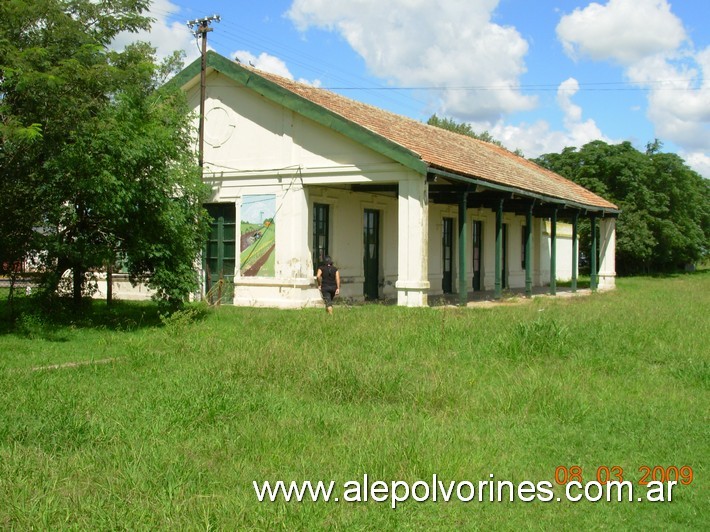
538 75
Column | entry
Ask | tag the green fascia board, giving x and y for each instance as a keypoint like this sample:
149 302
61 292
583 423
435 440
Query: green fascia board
526 193
277 94
187 74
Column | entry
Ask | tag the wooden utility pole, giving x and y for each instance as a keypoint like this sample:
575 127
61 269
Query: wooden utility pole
200 27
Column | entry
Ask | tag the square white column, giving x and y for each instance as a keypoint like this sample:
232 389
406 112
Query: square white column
607 254
412 242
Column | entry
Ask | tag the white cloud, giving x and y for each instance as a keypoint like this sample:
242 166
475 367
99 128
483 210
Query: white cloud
264 61
625 31
567 89
698 161
165 36
670 125
452 43
537 138
678 98
270 63
650 42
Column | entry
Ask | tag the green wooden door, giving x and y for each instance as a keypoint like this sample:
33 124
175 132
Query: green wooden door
504 261
477 254
371 258
321 225
447 238
220 256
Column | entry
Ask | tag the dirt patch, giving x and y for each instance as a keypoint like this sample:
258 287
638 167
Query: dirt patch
521 300
74 364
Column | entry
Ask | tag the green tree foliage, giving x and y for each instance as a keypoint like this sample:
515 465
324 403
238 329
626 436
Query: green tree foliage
96 156
462 128
665 220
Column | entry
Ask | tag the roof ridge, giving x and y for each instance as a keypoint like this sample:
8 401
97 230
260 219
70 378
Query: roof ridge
308 86
420 145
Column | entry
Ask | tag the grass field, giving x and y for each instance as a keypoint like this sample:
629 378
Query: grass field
181 415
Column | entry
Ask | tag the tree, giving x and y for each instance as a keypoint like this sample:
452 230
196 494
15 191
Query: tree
16 208
113 170
462 128
682 219
665 205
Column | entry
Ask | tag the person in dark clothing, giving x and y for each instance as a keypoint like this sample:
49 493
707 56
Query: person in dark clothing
328 278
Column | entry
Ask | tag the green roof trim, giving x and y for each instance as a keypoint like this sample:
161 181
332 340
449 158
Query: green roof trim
277 94
522 192
188 73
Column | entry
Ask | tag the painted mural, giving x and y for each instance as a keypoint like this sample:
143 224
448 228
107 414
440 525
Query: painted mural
258 229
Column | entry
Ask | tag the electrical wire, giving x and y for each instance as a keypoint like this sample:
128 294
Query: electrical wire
234 34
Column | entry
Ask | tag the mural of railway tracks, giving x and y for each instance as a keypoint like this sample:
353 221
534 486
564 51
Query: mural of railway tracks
257 239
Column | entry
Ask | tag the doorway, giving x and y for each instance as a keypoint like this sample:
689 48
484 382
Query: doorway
220 255
321 237
504 258
447 238
477 254
371 255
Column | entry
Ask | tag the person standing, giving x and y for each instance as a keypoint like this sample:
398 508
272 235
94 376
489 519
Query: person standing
328 278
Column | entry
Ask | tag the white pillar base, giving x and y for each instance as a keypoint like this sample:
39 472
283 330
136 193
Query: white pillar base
606 282
412 294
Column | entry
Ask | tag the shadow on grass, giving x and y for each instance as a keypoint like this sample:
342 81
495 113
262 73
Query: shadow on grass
582 282
33 318
678 274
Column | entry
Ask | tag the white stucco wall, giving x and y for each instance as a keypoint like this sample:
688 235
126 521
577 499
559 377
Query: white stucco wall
257 147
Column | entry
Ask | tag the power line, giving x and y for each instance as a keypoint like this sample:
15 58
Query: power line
318 67
594 86
235 35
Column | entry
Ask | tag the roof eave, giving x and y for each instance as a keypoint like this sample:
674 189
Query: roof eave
603 211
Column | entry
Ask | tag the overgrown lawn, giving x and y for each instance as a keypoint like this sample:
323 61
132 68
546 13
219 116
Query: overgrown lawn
179 416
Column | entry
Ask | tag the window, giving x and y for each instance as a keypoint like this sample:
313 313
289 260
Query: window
524 239
321 222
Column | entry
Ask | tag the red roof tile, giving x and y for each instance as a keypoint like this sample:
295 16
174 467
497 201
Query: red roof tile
445 150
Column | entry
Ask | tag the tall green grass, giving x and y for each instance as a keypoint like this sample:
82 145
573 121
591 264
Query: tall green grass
183 413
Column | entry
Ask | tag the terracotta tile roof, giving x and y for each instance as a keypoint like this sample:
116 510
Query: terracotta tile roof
446 150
